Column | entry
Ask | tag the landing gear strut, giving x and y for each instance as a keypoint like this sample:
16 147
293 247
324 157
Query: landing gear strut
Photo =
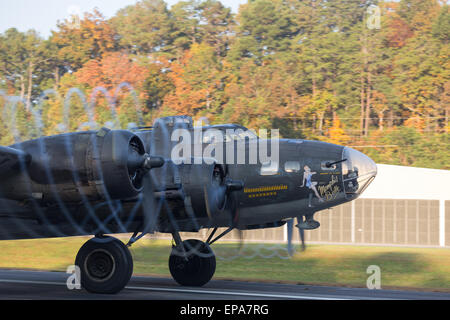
105 264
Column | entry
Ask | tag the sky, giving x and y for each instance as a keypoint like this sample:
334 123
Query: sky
42 15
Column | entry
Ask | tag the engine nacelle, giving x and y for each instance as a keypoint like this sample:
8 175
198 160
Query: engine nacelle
200 189
203 188
93 165
120 165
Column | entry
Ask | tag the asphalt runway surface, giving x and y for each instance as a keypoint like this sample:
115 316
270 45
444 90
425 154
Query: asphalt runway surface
35 285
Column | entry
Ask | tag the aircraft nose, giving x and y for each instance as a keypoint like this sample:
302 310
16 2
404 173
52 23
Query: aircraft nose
358 171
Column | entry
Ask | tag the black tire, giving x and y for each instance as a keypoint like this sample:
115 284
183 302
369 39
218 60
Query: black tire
105 265
198 269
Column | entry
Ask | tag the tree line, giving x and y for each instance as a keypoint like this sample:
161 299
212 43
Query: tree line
315 69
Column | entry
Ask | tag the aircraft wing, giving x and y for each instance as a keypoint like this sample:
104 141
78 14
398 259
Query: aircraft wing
11 160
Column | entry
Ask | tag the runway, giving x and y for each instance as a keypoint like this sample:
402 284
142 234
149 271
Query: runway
34 285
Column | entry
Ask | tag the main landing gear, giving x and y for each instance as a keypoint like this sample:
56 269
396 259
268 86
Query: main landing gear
105 265
192 262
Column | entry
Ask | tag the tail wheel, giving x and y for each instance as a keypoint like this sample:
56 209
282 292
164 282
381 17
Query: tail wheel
199 267
105 265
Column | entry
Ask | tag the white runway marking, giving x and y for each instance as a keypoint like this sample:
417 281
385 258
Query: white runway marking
237 293
198 291
32 282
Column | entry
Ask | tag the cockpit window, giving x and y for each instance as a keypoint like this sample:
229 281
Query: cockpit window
269 168
243 134
231 136
292 166
212 136
228 135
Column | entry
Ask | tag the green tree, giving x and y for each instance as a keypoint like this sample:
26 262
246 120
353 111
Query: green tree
264 28
201 21
145 27
422 72
24 61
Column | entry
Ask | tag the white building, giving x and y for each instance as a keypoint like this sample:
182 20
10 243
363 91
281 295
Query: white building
408 183
402 206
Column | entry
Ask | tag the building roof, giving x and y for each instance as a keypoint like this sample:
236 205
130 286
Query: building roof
398 182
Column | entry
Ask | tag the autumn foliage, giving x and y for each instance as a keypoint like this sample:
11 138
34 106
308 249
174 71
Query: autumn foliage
311 68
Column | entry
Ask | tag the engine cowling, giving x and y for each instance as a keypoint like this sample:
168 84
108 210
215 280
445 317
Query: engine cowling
204 188
200 189
120 165
94 165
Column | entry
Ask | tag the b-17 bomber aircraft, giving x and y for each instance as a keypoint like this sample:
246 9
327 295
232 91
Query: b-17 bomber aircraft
158 179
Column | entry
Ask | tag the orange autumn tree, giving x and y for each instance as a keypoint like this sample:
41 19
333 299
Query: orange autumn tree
336 133
197 80
115 73
89 38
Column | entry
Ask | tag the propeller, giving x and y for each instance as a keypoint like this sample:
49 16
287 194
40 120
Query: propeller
149 205
140 167
222 196
219 193
290 233
140 163
235 185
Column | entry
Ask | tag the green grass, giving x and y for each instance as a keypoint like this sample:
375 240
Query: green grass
423 268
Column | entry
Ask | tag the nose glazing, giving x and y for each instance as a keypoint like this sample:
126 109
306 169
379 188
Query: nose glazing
358 171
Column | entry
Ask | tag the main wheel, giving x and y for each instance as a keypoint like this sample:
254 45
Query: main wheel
105 265
199 267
